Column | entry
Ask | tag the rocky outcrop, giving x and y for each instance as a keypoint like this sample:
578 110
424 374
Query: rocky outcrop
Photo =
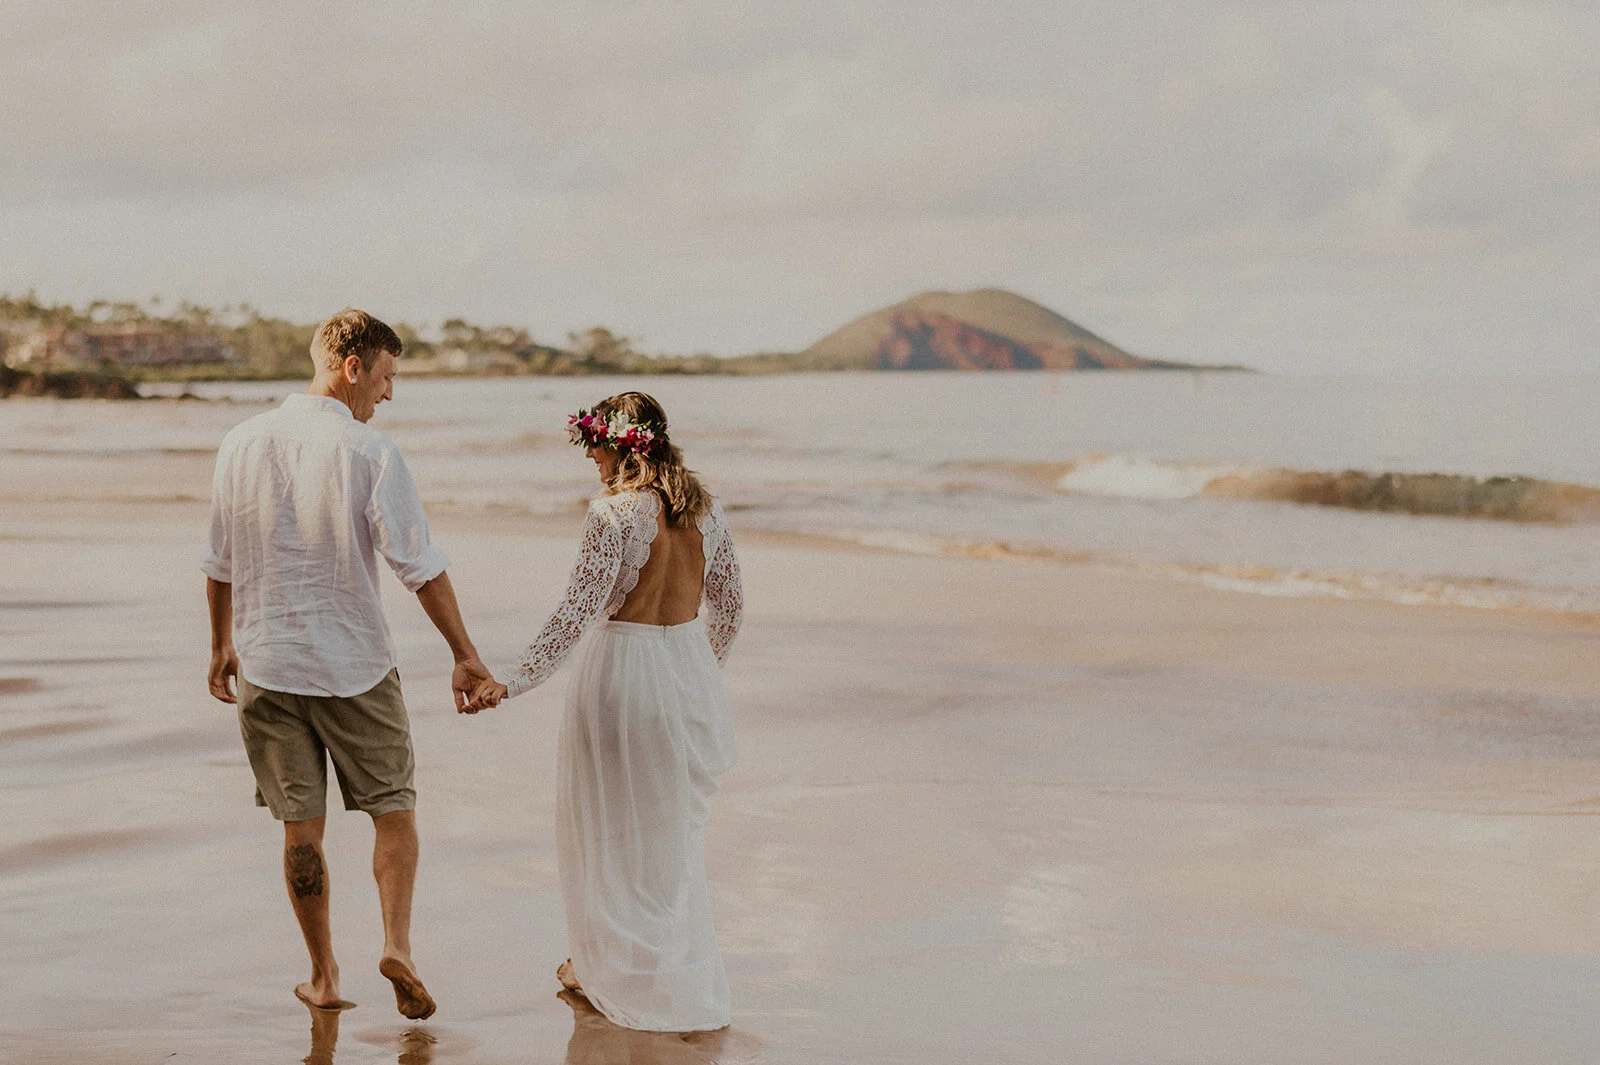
920 340
985 329
939 342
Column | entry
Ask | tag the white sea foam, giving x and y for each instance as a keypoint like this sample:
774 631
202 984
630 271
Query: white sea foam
1506 498
1251 579
1137 477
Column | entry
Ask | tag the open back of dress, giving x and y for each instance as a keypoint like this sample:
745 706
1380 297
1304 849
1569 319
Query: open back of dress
671 581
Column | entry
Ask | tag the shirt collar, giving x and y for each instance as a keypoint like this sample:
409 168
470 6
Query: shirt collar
303 402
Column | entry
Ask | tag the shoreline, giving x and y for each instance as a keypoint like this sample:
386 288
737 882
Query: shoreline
144 486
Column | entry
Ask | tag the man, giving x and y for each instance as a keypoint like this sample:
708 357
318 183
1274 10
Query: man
304 499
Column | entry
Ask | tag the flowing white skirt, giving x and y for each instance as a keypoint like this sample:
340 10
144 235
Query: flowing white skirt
647 729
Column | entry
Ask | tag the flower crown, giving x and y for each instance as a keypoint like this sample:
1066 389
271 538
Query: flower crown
588 429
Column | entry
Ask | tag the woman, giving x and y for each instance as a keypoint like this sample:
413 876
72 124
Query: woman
646 729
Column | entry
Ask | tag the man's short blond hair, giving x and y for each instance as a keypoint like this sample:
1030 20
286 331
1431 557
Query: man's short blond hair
353 332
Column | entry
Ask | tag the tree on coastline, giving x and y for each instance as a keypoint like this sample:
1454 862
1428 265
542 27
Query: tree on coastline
600 346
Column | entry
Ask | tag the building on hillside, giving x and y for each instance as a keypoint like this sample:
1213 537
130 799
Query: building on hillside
117 346
12 333
476 360
42 347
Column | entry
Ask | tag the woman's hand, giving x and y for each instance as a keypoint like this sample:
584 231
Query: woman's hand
488 693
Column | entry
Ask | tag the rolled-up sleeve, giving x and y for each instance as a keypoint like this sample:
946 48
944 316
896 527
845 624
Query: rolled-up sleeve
217 559
399 527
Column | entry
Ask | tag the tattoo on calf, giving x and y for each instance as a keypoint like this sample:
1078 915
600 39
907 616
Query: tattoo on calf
304 866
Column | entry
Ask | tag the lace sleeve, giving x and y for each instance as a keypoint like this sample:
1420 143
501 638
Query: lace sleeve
588 592
724 592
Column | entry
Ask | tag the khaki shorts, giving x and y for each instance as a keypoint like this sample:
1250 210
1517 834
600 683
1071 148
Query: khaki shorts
367 735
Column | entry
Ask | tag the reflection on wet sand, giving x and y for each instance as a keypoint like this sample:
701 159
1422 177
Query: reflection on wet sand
597 1041
49 729
324 1036
57 850
416 1047
416 1044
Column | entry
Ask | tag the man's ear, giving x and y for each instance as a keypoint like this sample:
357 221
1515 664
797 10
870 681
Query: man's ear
352 368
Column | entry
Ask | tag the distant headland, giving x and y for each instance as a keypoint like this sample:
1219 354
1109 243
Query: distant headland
64 350
985 329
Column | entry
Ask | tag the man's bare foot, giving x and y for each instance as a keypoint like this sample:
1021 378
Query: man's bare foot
410 997
568 976
321 992
307 993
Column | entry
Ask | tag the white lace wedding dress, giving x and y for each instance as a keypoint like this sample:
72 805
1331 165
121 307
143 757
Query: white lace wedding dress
645 734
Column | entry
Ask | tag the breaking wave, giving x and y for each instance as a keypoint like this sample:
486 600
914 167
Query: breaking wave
1500 498
1479 593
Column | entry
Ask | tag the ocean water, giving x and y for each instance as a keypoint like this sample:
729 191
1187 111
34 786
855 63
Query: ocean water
1120 470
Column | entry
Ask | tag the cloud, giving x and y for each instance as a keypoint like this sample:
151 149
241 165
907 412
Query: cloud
1350 185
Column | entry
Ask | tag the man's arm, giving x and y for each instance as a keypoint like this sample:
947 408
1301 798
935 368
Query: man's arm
438 599
224 661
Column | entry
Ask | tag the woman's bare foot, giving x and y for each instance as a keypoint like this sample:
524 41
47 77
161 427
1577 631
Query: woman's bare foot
410 997
567 976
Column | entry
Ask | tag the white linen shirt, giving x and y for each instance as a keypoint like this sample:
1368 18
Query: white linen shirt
303 499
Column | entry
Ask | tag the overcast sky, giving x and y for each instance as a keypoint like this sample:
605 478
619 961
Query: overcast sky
1340 185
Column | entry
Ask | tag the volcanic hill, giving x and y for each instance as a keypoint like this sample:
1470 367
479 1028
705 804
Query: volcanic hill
985 329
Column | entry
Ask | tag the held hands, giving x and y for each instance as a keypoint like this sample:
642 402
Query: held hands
474 686
469 674
488 693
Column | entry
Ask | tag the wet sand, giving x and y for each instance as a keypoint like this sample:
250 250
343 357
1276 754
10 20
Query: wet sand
984 810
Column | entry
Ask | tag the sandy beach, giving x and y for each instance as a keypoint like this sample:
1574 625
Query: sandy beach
984 810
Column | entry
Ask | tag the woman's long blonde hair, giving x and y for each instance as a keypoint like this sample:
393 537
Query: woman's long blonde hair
660 467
